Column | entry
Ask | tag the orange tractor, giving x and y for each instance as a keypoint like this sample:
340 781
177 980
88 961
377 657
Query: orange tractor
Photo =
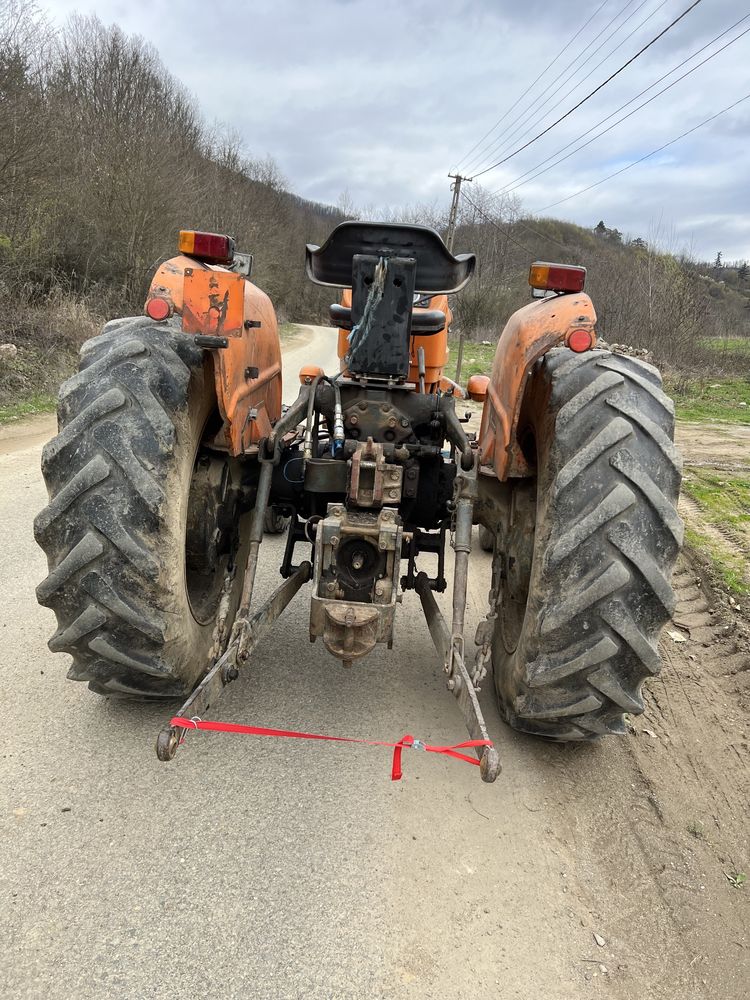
174 455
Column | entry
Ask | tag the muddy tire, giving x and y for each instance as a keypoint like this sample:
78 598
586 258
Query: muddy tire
584 578
140 550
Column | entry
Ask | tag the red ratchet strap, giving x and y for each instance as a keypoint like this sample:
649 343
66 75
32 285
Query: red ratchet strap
179 722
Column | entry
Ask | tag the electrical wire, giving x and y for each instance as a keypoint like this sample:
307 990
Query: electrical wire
596 90
531 85
497 225
535 172
539 114
476 162
647 156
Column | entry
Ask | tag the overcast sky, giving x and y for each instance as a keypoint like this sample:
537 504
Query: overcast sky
381 99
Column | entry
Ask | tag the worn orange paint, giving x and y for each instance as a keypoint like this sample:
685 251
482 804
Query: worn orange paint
435 346
249 405
213 302
448 385
308 373
477 388
529 333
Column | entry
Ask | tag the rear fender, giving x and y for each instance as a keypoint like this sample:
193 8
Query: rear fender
216 302
529 334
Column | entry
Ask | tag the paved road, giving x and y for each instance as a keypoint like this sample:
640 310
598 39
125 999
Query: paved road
275 869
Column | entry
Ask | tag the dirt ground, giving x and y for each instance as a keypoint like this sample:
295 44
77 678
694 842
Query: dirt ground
605 871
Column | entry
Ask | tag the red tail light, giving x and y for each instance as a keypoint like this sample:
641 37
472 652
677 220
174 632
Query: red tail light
158 308
210 247
580 341
557 277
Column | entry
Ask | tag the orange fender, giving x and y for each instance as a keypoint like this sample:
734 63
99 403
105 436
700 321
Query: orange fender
529 333
216 302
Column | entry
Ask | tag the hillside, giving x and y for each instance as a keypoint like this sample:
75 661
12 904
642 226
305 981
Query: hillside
104 156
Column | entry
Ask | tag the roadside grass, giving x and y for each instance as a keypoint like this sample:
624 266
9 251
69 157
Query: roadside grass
731 345
696 399
721 399
723 535
477 359
37 402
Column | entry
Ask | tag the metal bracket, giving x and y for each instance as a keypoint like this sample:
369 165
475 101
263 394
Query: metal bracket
227 667
462 687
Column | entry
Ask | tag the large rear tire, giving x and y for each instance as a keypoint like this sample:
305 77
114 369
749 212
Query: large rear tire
141 531
583 572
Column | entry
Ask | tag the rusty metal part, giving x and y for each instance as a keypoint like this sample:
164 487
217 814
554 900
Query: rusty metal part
529 334
357 561
257 526
372 482
462 687
293 416
351 630
466 492
457 437
213 300
376 419
227 667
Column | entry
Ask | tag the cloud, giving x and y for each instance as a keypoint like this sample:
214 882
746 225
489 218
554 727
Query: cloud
381 99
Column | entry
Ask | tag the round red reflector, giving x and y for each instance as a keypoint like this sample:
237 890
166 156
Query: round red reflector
158 308
580 341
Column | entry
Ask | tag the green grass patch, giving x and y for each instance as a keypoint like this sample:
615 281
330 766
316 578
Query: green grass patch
728 345
724 502
38 402
477 360
730 567
724 399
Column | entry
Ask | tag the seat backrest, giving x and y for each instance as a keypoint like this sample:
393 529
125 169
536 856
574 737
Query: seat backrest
437 270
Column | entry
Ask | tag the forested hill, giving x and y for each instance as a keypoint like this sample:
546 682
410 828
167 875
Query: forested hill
104 156
668 302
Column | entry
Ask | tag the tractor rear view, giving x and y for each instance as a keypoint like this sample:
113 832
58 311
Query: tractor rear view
174 454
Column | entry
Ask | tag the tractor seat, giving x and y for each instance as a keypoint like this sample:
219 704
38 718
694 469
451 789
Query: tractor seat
424 322
437 270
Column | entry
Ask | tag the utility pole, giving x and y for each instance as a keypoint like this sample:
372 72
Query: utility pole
452 219
453 214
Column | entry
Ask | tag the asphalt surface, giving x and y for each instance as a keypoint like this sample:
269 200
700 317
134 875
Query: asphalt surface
262 868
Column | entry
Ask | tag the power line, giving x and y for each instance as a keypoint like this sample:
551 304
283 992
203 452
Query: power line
595 91
524 225
653 152
535 172
539 114
492 222
581 55
532 85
